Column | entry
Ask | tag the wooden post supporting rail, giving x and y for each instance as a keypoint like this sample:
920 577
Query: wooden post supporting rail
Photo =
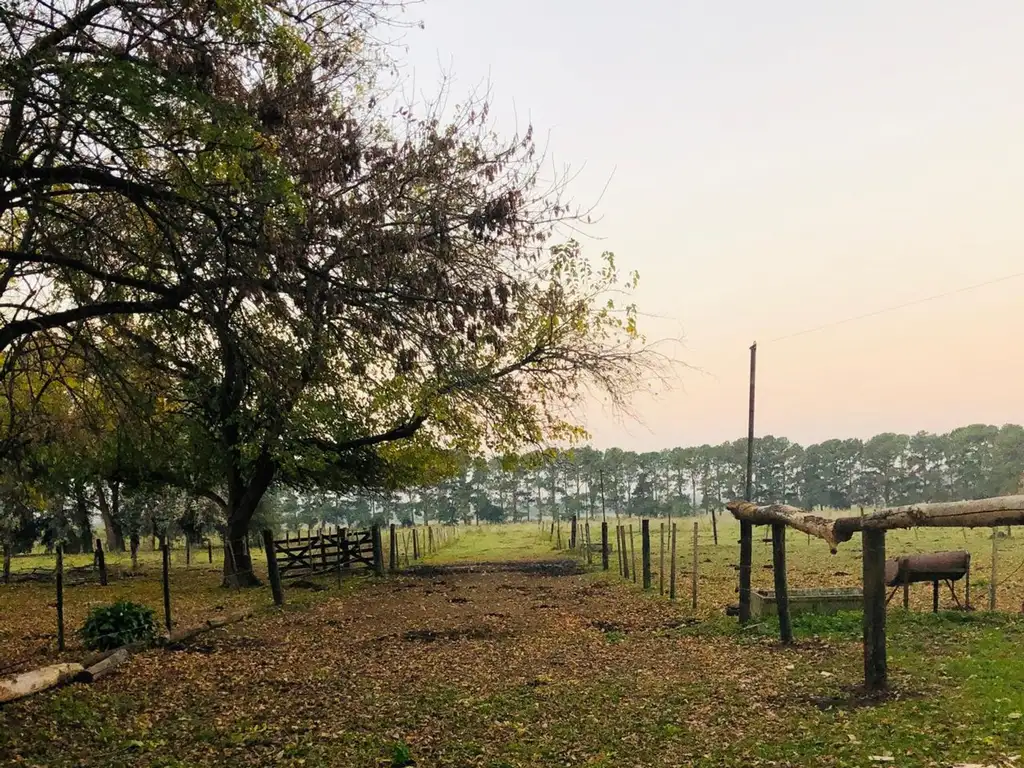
875 667
272 569
992 581
781 587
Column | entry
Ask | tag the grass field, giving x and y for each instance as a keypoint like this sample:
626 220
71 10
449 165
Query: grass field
524 663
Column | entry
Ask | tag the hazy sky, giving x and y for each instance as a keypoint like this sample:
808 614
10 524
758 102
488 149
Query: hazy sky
776 166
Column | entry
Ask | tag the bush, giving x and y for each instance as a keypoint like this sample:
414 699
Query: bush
111 626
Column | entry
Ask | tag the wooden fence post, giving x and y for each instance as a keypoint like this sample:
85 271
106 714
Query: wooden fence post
992 581
7 561
60 597
166 550
661 563
346 560
586 537
188 551
392 548
623 553
378 550
604 546
746 557
781 587
415 544
430 540
101 563
672 566
209 551
572 532
632 552
645 552
875 672
272 569
693 576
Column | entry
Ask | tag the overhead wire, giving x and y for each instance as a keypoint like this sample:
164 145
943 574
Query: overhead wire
893 308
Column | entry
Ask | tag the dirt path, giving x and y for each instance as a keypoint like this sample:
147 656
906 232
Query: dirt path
493 665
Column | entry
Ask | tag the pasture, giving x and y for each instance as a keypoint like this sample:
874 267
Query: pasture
533 659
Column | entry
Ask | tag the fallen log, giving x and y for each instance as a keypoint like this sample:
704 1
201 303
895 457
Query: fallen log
28 683
187 633
104 667
978 513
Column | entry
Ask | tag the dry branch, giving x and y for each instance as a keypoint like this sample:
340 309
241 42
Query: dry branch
794 517
187 633
105 666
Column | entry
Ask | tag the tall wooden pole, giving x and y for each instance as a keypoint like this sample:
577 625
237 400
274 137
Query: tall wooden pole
747 529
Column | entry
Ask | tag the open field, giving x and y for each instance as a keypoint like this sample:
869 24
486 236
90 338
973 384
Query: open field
528 662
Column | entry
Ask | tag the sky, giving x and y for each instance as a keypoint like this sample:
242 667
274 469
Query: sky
770 168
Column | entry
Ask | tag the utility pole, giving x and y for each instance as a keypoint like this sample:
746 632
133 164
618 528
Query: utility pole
746 528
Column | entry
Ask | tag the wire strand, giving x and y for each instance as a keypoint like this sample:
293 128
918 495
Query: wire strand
915 302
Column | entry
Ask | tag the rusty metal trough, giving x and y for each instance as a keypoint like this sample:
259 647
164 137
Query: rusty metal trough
934 567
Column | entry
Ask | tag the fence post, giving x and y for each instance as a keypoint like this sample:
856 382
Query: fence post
586 537
415 544
7 562
661 562
992 581
572 533
604 546
378 550
693 576
781 587
209 551
188 551
645 552
632 552
101 563
875 672
166 550
430 540
392 548
343 557
272 570
672 566
625 553
60 597
935 596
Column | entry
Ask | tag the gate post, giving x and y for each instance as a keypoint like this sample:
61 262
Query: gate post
272 571
378 550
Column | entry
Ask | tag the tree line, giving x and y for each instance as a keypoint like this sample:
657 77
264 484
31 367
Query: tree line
970 462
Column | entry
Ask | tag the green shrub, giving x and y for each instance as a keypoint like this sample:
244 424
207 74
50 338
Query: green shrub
111 626
401 755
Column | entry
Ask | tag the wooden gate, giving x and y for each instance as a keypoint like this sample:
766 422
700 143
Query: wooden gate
322 553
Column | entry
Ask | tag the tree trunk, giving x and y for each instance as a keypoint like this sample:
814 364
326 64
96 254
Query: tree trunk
243 499
109 513
82 522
